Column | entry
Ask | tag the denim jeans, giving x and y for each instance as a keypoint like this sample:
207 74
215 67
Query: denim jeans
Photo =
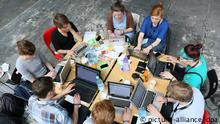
159 48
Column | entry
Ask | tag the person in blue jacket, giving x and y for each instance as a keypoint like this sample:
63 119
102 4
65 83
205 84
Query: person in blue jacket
153 31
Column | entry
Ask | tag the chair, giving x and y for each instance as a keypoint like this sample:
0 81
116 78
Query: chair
210 86
136 19
205 119
47 40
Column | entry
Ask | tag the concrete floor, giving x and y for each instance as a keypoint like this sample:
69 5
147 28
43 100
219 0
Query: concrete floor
191 21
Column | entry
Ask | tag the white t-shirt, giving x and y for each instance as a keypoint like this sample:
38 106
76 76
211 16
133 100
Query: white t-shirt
193 114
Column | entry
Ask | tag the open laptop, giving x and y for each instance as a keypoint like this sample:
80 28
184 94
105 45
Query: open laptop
138 54
85 83
119 94
62 72
142 97
154 65
81 49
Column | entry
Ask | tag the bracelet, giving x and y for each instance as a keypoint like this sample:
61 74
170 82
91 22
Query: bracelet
172 78
152 46
77 104
126 121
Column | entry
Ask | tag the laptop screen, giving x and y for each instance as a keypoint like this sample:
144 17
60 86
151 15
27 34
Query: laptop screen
86 73
138 94
119 90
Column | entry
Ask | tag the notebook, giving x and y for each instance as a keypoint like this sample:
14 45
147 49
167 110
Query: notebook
81 49
62 72
141 97
119 94
154 65
85 83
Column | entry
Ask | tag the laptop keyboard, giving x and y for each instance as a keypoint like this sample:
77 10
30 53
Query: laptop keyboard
86 92
149 98
81 48
119 102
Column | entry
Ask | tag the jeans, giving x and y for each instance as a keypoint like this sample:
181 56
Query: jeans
147 42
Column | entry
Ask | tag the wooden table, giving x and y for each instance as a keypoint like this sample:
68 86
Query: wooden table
117 74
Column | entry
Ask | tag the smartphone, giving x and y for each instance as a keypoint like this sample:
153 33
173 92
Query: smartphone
157 54
103 66
98 38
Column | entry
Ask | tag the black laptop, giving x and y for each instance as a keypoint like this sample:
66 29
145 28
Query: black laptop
154 65
142 97
85 83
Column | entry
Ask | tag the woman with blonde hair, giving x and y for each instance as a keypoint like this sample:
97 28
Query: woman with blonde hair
103 112
186 104
153 31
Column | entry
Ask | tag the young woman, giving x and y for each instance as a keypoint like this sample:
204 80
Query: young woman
195 71
153 31
63 38
120 21
30 63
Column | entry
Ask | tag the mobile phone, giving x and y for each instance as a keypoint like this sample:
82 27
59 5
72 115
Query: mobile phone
157 54
98 38
104 66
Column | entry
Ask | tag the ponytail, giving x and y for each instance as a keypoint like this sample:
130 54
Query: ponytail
158 10
193 51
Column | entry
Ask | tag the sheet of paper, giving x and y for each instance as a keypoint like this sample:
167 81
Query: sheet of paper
112 54
89 35
119 49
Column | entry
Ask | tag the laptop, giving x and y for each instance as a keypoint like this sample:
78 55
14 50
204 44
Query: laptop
81 49
85 83
154 65
138 54
62 72
119 94
142 97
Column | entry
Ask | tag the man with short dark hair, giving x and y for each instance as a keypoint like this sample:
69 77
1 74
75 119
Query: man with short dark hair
43 106
63 38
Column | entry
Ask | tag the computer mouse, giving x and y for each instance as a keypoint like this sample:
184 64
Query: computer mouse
135 76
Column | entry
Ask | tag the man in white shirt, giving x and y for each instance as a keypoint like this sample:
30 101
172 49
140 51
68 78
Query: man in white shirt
188 104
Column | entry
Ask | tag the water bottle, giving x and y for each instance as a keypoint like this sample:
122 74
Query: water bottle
126 65
100 84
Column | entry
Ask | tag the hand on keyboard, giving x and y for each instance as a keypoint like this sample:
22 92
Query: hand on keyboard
153 111
126 116
68 89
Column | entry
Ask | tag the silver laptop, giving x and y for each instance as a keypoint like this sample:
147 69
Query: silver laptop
120 95
81 49
62 72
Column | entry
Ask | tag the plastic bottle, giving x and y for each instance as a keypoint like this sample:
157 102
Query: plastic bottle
100 84
126 65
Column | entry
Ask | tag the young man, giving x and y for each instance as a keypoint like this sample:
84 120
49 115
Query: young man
187 108
43 106
30 63
63 38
